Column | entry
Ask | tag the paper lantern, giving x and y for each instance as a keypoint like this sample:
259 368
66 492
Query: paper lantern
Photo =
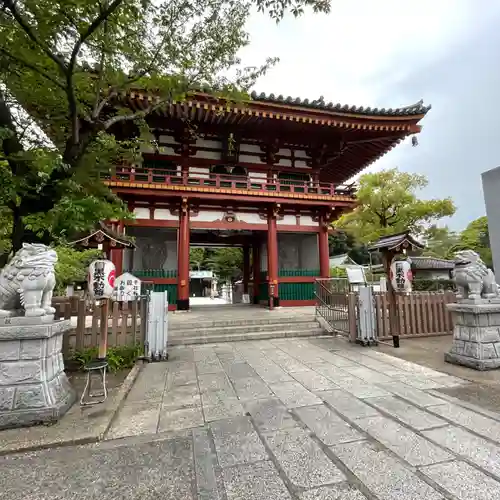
101 279
401 275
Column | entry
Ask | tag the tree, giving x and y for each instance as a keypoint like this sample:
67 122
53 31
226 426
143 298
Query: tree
441 242
69 64
387 203
476 236
72 265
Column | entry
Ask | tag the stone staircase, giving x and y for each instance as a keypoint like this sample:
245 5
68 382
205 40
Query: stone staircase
248 323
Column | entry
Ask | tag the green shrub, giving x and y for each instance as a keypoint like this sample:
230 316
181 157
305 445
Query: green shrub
119 357
427 285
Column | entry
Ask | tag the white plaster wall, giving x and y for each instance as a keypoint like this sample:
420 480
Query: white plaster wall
209 215
164 214
210 155
250 159
250 148
288 220
141 212
208 143
249 218
199 172
306 220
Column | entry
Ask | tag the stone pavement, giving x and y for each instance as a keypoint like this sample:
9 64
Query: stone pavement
280 419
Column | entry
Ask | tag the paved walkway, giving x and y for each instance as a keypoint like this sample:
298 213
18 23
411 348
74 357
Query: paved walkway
311 420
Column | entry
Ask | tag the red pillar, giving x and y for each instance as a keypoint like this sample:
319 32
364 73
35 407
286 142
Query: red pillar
246 268
324 258
116 254
256 270
272 259
183 258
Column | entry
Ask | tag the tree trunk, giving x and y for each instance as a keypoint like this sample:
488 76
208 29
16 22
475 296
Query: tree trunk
17 231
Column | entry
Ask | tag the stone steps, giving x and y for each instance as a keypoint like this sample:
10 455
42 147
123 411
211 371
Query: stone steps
201 331
182 322
229 336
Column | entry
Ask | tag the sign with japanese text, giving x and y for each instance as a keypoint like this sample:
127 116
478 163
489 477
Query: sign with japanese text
101 279
127 287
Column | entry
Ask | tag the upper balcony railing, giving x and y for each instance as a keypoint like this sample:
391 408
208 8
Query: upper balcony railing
159 176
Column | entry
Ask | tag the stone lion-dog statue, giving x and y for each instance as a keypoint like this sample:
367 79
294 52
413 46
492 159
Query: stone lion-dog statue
27 282
474 280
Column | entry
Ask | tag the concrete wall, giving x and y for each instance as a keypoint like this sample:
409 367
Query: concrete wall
156 248
491 190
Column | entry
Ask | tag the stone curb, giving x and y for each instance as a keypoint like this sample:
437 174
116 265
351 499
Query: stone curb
120 396
101 429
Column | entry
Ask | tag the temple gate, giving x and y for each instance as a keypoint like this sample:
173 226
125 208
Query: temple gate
267 175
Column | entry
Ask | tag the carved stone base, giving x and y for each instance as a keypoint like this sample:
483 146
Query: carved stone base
33 386
476 334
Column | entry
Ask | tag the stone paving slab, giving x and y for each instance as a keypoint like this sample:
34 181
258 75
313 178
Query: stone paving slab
237 442
405 443
184 418
333 492
360 388
302 460
478 450
407 413
205 462
293 394
248 389
347 404
469 419
314 381
327 425
270 415
384 475
259 481
464 481
416 396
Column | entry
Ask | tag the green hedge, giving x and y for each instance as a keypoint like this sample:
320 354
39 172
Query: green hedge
427 285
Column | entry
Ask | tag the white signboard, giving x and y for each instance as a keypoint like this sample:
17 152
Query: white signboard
201 274
127 287
356 275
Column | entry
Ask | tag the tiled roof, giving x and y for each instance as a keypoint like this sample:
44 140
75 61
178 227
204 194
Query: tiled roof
392 242
320 104
422 262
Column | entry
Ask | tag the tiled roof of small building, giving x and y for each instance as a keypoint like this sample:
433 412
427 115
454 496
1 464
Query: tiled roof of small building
422 262
392 242
415 109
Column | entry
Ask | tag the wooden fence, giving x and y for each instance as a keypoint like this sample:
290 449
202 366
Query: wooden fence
126 323
419 314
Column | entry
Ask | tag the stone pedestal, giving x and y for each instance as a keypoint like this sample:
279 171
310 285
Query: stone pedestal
476 334
33 386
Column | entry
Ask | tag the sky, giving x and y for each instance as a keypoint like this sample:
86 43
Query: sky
392 53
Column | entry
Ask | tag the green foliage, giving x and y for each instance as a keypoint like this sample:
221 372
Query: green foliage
441 242
342 242
226 263
427 285
118 358
388 203
338 272
476 236
72 266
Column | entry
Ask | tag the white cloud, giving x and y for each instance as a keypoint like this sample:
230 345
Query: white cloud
353 53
